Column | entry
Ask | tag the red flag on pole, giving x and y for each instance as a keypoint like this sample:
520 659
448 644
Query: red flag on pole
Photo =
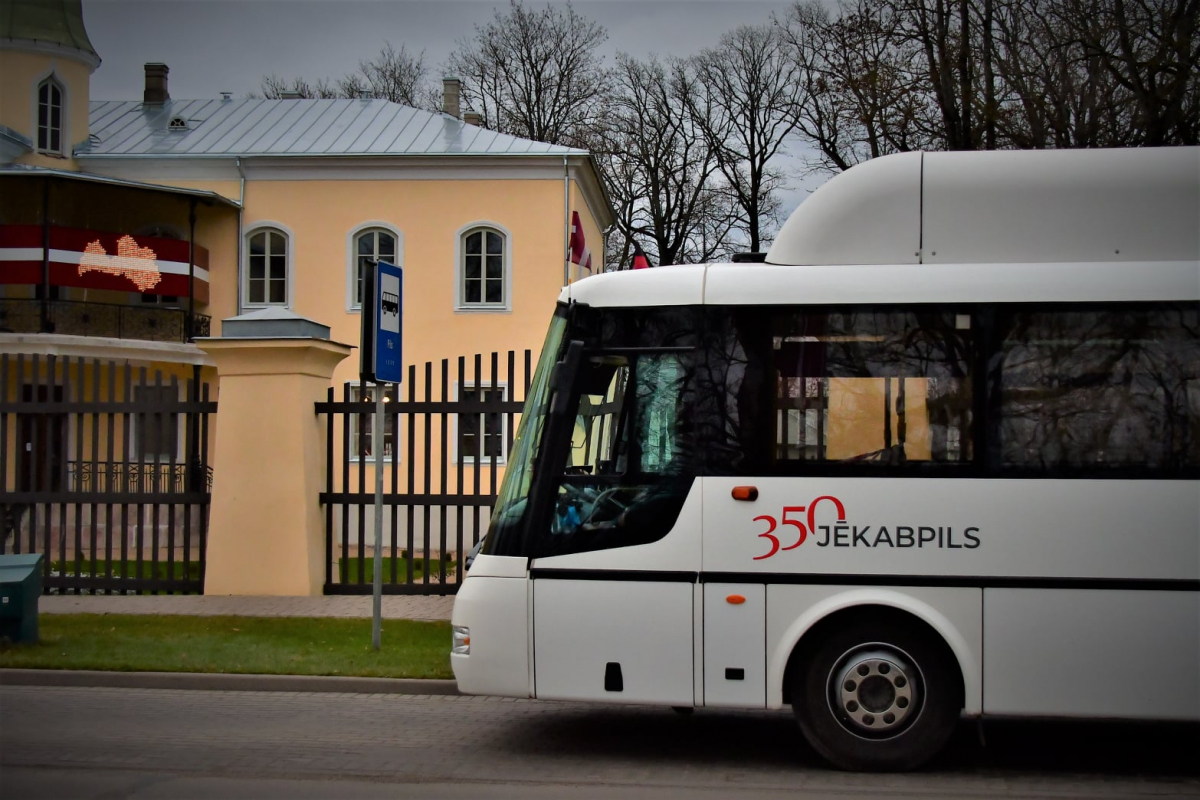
579 250
639 258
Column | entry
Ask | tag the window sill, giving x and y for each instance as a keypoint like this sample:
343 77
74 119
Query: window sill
462 309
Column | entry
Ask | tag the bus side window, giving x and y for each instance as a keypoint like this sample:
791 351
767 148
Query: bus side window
868 386
1093 390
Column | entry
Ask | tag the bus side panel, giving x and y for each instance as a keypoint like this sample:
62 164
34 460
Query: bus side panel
1092 653
616 641
955 613
496 611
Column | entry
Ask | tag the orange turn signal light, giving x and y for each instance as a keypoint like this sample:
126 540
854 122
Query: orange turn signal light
749 493
735 599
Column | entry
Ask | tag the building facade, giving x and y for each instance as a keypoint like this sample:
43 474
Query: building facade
130 229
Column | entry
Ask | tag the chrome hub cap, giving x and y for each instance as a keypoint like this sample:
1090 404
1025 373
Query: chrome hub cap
874 691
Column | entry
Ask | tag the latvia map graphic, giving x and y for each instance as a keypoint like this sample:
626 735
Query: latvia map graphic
132 261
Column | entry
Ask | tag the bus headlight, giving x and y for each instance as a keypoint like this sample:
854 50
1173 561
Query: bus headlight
462 641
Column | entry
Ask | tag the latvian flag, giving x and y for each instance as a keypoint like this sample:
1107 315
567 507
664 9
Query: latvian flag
101 260
579 250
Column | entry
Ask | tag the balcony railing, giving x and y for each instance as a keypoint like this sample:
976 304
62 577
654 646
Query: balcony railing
146 323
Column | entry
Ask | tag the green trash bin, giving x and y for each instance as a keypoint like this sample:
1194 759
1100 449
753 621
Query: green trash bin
20 588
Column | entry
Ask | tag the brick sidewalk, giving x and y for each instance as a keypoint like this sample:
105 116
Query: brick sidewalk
394 606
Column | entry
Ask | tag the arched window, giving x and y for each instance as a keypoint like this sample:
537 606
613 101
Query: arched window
50 117
483 268
370 244
268 267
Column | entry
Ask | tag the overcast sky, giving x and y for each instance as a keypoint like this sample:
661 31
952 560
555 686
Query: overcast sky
213 46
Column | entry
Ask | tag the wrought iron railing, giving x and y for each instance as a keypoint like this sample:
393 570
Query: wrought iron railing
137 476
84 318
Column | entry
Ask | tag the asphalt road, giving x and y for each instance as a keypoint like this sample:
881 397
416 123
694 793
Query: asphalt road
143 744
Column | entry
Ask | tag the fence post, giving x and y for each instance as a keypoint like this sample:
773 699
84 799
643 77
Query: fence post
266 533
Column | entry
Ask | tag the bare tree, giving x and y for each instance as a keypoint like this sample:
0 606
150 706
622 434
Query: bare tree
400 77
394 75
862 83
535 74
661 171
745 97
1151 48
275 87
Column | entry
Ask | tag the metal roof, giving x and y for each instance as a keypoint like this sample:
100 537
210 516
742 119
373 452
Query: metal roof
28 171
56 22
214 128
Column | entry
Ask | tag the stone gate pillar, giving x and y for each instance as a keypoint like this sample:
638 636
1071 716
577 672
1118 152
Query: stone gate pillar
266 531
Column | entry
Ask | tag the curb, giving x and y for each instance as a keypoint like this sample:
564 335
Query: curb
225 682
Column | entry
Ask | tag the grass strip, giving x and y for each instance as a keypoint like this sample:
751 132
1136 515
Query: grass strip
247 645
348 568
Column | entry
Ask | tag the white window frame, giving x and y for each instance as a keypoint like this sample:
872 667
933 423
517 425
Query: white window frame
50 80
135 434
469 460
460 252
290 248
355 394
352 303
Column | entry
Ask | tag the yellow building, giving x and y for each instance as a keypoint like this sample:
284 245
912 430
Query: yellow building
130 229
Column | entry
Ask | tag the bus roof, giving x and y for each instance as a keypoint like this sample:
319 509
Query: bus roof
1017 206
1004 226
882 284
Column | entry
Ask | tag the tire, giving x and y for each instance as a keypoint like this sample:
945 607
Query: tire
878 695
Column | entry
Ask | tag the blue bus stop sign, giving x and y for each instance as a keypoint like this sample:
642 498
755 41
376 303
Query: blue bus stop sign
388 307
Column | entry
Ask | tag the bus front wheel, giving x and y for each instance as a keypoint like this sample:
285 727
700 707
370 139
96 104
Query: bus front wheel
877 695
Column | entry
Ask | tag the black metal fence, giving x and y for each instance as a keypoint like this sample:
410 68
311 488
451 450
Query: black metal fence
85 318
105 473
447 437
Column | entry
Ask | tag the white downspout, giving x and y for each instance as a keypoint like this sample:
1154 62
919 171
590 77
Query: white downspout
566 223
241 229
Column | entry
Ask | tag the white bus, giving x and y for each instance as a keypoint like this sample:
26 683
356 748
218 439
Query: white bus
938 457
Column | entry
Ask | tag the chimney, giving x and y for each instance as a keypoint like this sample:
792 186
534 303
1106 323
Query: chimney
156 85
451 91
473 118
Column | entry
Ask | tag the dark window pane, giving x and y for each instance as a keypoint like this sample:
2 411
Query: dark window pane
258 268
495 243
278 292
1099 389
43 115
495 266
473 291
55 140
55 96
257 290
494 292
387 244
473 268
366 244
474 244
278 267
258 244
278 243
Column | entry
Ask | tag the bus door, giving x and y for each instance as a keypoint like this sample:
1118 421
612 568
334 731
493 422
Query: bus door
614 574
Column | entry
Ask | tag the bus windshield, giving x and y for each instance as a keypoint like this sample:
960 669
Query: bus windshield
513 498
605 449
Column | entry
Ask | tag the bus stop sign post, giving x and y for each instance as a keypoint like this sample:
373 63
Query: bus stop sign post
380 363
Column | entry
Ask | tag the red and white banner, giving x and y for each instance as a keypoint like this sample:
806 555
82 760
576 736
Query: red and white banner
101 260
580 254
